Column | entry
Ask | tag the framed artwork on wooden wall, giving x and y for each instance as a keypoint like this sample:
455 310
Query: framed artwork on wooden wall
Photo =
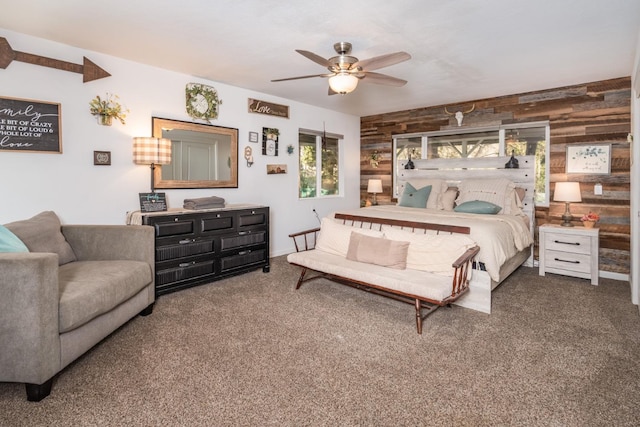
589 159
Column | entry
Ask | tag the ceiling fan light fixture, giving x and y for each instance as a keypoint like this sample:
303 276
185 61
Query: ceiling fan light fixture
343 83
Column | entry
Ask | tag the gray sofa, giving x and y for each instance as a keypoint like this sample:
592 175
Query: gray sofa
71 290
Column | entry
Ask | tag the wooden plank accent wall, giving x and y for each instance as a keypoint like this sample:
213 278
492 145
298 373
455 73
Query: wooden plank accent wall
597 112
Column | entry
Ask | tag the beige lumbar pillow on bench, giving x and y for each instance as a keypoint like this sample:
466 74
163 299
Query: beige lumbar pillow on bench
378 250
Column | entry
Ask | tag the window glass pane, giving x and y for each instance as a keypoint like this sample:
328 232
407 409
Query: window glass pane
406 147
330 161
478 144
307 173
529 142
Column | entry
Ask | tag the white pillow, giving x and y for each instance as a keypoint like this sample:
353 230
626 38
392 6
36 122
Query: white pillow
432 252
499 191
334 236
438 186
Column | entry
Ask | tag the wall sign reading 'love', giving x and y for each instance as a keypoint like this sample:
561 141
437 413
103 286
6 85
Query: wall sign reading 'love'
27 125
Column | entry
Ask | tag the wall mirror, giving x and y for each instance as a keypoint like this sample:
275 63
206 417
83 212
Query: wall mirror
202 156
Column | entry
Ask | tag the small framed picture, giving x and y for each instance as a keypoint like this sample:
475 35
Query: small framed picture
276 169
102 158
591 159
253 136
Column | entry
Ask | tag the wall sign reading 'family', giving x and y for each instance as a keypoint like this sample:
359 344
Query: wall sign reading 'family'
27 125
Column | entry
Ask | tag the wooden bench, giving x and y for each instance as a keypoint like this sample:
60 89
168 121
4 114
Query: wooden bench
412 286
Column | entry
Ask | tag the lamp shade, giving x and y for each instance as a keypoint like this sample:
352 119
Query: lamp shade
149 150
343 83
374 186
567 192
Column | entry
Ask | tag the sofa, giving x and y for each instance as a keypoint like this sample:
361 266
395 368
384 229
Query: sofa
394 258
63 289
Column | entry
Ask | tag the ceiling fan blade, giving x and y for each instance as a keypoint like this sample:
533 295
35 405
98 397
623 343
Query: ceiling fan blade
302 77
382 61
315 58
383 79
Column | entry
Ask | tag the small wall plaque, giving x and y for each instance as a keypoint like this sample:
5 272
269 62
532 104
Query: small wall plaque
102 158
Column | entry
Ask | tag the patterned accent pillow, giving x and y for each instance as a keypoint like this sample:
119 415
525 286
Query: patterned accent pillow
499 191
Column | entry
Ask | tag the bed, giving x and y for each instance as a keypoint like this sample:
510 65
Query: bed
505 239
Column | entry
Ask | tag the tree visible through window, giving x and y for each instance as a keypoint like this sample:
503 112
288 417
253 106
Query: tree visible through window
319 166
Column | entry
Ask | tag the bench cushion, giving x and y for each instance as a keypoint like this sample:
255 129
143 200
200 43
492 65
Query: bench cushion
91 288
412 282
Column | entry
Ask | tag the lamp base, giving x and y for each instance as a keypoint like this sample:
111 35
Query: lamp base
567 217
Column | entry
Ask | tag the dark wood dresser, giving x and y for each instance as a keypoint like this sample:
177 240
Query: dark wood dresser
202 246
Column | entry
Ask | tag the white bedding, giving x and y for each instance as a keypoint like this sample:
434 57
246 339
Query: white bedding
500 237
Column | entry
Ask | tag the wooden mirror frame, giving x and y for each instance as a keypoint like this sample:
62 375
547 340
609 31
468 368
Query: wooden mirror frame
160 124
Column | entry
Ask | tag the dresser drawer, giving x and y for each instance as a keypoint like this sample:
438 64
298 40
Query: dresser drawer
579 263
184 248
568 243
244 238
184 271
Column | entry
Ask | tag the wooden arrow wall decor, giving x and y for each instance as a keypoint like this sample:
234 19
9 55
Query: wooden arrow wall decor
88 69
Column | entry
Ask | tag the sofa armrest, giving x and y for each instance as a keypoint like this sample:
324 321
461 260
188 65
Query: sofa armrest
308 237
29 329
111 242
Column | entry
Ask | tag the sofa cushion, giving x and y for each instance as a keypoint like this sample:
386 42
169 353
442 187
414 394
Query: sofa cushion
9 242
91 288
434 253
334 237
41 233
377 250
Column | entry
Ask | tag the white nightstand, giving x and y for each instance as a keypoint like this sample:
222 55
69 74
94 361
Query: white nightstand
571 251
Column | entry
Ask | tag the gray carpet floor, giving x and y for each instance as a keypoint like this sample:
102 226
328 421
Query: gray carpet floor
252 351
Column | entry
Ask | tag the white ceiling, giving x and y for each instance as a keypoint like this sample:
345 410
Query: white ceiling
461 49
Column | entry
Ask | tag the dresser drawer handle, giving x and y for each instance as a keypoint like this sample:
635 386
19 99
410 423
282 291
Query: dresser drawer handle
186 264
566 243
186 241
565 260
244 252
242 233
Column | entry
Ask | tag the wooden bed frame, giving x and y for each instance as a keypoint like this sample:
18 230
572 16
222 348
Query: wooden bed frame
453 171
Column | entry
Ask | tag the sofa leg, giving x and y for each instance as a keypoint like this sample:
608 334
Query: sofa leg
147 311
419 316
37 392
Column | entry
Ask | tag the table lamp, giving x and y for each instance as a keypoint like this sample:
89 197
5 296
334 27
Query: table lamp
567 192
151 151
374 186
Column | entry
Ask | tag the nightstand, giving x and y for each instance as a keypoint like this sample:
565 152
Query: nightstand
570 251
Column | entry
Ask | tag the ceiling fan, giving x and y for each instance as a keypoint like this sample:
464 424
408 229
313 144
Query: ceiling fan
346 71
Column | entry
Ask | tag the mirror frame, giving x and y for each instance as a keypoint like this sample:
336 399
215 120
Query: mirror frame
159 124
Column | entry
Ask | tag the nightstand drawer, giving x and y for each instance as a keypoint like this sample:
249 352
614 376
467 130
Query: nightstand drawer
567 243
580 263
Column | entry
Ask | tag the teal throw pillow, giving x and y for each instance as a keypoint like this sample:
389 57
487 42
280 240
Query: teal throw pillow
478 207
9 242
412 198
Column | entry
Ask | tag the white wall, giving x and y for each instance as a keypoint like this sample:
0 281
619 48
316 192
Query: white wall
82 193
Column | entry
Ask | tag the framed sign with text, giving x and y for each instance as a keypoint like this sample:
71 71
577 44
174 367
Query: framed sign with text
27 125
153 202
589 159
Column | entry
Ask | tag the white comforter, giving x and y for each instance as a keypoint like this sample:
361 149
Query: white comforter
499 236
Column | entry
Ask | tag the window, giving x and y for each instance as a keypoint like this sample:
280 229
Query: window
319 165
521 139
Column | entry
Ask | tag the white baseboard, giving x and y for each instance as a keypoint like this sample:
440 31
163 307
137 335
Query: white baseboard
614 276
